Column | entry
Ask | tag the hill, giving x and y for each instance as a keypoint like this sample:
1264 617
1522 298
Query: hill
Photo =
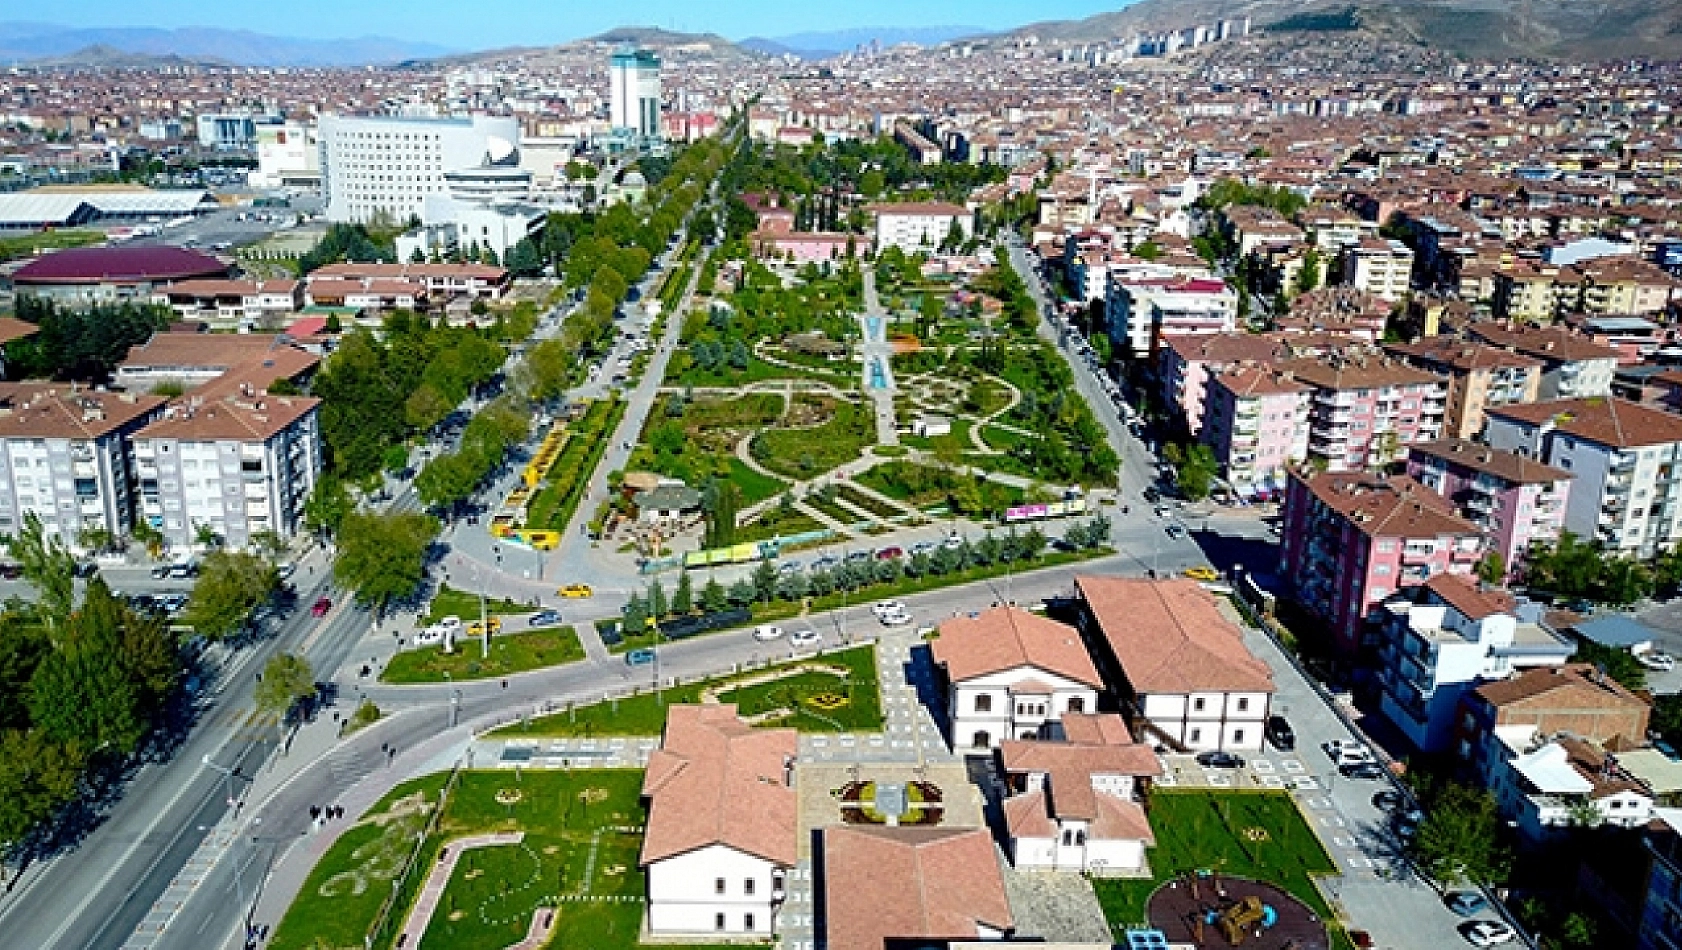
822 45
53 44
1549 29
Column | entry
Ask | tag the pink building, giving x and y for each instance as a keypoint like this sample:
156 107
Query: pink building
1517 501
804 246
1257 424
1352 539
1186 363
1367 407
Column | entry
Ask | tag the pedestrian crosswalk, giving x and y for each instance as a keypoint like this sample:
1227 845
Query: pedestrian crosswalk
246 724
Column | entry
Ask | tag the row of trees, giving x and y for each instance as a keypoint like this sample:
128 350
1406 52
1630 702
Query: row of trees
1575 568
80 343
451 479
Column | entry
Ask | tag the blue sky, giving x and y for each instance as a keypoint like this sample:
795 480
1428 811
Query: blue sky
485 23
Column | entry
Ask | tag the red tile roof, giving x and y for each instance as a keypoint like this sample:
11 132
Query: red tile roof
1170 637
1007 638
920 883
715 780
1618 423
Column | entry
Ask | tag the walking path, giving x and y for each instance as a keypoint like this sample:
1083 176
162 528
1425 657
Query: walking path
878 368
414 928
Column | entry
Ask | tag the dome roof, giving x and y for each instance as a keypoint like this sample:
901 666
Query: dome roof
500 152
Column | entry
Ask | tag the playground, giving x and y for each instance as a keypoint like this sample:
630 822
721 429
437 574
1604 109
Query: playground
1213 912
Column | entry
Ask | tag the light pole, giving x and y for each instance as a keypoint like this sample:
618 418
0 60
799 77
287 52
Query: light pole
228 776
484 614
455 707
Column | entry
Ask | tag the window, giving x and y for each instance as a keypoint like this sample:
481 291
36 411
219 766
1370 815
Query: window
718 921
1195 736
1244 704
983 703
1237 736
747 921
718 886
983 740
1077 705
1198 704
747 886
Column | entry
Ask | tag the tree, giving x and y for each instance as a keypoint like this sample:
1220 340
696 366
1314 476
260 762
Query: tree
269 544
1621 665
1308 276
524 259
713 597
79 694
741 593
634 618
1196 473
1457 842
1492 569
48 567
230 585
764 581
382 557
327 506
38 775
658 606
287 678
683 599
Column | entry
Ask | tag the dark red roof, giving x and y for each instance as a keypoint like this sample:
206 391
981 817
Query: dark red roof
92 265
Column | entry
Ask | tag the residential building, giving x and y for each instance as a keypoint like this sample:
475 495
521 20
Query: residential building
1366 408
288 156
722 826
1257 426
1660 927
1626 460
386 166
1575 699
88 275
1479 376
1008 673
1185 364
65 457
1078 804
438 280
634 92
909 887
1380 267
1143 312
1573 367
1177 665
224 131
919 226
190 359
1443 638
244 304
1517 501
1350 540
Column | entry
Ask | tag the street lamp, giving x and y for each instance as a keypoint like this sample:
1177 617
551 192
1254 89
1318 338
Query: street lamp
228 776
455 707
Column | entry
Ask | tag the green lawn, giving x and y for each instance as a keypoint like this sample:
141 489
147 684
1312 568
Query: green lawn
777 523
754 486
554 504
832 509
1002 439
344 891
510 653
1198 830
645 713
681 372
803 453
460 603
25 245
856 497
955 441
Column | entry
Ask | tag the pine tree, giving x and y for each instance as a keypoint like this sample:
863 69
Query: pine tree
683 600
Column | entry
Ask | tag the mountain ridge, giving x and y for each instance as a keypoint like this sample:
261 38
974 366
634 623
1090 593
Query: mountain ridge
51 44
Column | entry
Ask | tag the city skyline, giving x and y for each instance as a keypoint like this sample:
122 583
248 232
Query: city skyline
522 23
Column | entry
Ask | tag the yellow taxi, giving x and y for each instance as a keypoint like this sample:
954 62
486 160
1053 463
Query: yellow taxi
477 629
576 590
1203 573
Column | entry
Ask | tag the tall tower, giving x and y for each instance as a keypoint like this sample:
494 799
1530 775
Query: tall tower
635 92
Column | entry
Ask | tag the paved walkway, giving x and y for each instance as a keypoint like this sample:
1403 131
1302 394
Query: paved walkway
878 367
420 917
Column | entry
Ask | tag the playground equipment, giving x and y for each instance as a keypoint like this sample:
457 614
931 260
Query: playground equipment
1238 920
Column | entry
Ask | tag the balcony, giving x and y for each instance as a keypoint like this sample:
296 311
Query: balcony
1416 554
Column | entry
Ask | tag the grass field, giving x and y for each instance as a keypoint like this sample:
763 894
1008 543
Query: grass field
802 453
1002 439
956 441
754 486
777 523
511 652
1217 830
464 604
554 505
645 713
856 497
12 248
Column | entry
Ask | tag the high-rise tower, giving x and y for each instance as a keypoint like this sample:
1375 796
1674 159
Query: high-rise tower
635 92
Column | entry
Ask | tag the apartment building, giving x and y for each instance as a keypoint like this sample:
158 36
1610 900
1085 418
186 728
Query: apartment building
1144 312
232 303
231 458
1257 425
1443 638
1479 376
1527 292
65 456
1179 668
1383 268
1516 500
1185 365
1660 926
439 280
1573 366
1626 460
1350 540
190 359
1366 408
919 226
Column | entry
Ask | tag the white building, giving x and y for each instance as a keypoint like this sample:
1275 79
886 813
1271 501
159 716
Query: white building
371 165
634 93
1625 459
64 455
1009 673
288 155
1442 639
1548 785
1141 312
1077 805
227 131
1178 665
722 824
1380 267
919 226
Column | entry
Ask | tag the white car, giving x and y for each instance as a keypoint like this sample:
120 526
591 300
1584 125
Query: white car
897 619
1656 660
1487 933
885 607
765 632
804 638
1346 752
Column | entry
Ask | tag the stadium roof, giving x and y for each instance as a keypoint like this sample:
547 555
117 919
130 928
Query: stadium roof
93 265
34 208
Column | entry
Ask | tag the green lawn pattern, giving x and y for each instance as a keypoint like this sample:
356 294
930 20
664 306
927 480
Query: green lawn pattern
511 652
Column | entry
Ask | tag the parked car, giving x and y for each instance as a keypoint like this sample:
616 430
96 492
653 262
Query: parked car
1152 496
1656 660
320 607
285 569
544 618
899 619
576 590
765 632
1176 532
824 563
1280 733
953 542
641 657
1219 760
1367 771
889 553
922 547
1202 573
1486 933
883 607
1465 903
804 638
